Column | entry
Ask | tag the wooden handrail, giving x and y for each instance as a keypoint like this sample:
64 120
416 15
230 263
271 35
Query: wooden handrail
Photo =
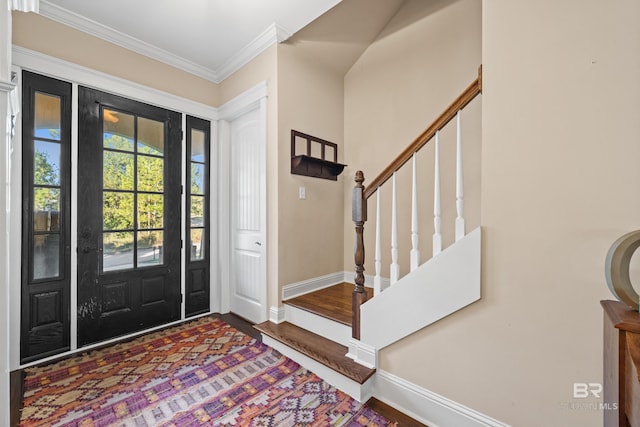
473 90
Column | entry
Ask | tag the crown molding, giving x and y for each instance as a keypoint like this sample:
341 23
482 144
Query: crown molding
104 32
273 34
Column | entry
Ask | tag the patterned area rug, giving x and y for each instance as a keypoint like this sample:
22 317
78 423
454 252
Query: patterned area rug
204 373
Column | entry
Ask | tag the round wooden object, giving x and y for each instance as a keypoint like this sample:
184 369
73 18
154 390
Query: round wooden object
617 268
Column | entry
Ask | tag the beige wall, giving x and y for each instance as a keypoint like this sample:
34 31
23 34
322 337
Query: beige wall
43 35
560 151
311 231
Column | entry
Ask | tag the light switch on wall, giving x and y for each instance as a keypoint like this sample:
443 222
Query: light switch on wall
302 193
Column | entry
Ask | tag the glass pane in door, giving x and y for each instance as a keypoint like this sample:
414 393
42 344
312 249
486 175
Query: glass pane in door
133 190
117 251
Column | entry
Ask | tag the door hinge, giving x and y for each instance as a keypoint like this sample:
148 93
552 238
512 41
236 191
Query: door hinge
181 298
181 244
182 189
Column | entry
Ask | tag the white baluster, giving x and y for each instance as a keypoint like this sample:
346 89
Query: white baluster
395 267
415 252
437 237
460 224
377 280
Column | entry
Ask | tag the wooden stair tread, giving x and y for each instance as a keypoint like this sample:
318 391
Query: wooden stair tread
323 350
332 303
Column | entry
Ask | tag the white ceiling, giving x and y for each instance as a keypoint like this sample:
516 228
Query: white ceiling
209 38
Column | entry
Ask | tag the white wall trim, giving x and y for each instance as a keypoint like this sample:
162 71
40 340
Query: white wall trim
274 34
6 86
277 315
243 103
215 282
311 285
103 32
426 406
362 353
68 71
224 216
14 223
5 226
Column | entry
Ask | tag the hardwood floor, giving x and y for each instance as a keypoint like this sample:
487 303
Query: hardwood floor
392 414
16 385
240 324
333 302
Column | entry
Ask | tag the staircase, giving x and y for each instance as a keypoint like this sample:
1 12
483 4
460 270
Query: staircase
316 335
337 331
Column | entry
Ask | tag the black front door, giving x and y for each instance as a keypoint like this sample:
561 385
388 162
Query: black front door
129 163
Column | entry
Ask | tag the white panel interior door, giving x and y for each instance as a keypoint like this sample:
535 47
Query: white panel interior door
248 288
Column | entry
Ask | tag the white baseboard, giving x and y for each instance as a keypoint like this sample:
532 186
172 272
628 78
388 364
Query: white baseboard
316 283
310 285
276 315
362 353
426 406
349 277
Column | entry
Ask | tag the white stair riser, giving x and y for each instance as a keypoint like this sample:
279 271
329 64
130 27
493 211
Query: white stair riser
319 325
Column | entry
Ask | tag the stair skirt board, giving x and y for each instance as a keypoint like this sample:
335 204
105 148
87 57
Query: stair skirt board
436 289
426 406
330 329
360 392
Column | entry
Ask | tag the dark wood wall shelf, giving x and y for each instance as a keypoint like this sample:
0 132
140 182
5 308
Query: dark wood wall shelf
317 167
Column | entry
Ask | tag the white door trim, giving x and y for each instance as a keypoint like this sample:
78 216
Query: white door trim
253 98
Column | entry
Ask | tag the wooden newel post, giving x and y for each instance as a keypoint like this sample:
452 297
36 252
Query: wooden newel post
359 216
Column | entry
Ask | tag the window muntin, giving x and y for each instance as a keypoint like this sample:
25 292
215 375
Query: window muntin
133 191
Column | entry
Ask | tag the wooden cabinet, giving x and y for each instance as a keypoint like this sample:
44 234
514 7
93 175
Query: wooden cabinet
621 365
